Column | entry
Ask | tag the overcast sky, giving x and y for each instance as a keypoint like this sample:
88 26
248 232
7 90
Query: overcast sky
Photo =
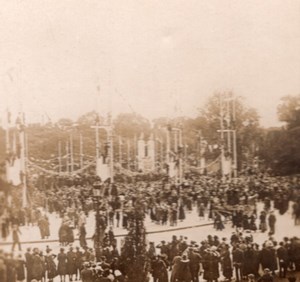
157 58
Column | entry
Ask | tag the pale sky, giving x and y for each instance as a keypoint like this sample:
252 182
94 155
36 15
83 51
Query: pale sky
152 55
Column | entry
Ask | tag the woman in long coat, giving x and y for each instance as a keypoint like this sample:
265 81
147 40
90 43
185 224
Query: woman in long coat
227 264
20 268
184 272
50 266
63 234
47 227
181 213
175 268
249 257
38 267
70 235
201 211
62 265
82 236
211 265
71 263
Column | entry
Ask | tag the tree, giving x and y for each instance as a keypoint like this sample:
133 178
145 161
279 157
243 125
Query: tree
245 122
280 147
129 125
280 151
134 252
289 111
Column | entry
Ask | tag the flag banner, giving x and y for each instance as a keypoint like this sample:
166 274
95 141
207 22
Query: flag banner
227 166
211 168
52 172
13 172
173 169
102 170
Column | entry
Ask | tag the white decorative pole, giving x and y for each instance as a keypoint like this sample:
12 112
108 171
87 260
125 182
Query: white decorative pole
110 133
59 157
234 138
81 150
222 135
71 153
23 162
67 157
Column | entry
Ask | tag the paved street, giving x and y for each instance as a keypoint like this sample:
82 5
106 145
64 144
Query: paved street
284 228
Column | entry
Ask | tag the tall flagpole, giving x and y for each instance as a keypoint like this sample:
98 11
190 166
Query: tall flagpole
180 156
71 153
81 150
222 135
59 157
67 157
168 146
7 141
128 154
23 162
134 151
234 137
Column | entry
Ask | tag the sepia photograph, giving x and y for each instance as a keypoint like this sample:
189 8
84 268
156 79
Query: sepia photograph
149 141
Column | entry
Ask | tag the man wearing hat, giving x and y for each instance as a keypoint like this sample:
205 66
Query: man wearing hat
71 263
164 249
195 260
29 263
266 277
283 257
184 271
87 273
238 261
78 262
159 270
37 265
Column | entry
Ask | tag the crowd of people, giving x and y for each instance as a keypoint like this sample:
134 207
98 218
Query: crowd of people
238 257
164 204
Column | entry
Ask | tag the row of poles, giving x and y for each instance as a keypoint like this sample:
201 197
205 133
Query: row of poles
227 131
227 103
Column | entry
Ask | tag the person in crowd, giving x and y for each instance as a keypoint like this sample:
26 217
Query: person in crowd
38 266
272 221
71 263
50 265
266 277
226 262
238 262
62 265
210 264
159 269
28 264
16 239
78 263
86 273
283 258
194 261
184 271
82 236
20 268
3 270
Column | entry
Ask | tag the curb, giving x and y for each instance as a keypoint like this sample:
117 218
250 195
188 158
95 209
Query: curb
119 235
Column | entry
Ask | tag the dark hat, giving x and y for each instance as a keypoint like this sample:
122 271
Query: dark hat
184 258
